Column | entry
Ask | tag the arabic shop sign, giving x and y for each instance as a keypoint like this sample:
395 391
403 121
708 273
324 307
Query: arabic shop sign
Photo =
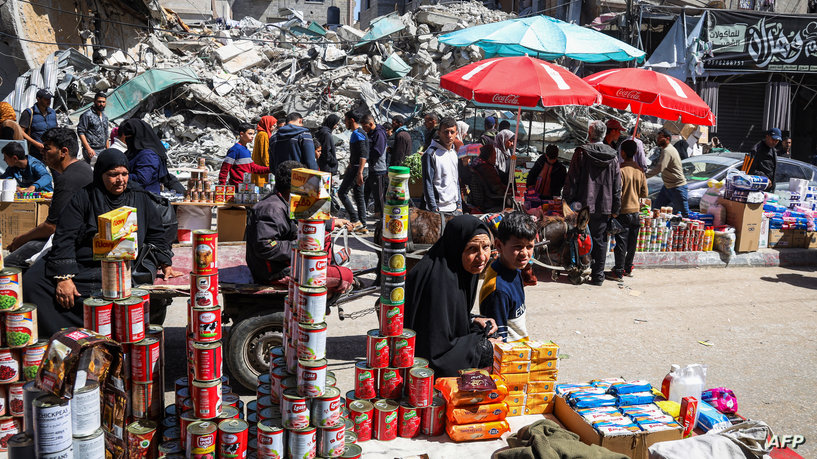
763 42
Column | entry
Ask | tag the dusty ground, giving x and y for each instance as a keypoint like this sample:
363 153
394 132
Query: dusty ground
759 322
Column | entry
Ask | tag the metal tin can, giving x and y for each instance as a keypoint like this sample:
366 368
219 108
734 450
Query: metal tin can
8 428
394 260
16 399
207 323
312 272
391 318
326 408
30 393
228 412
294 410
146 400
331 440
205 252
89 446
206 399
421 387
204 289
142 439
408 421
349 436
365 381
420 362
277 376
98 316
290 382
11 289
398 189
129 320
269 413
116 279
21 326
311 377
352 451
262 390
361 412
52 424
145 360
270 440
390 384
232 438
433 418
301 443
311 234
185 419
201 439
385 420
171 447
394 287
312 341
181 394
348 398
4 408
395 222
20 445
402 348
180 382
377 349
208 361
311 304
145 296
33 358
9 366
86 416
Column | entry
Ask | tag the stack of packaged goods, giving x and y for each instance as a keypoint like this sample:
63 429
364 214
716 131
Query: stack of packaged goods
476 405
529 370
661 231
745 188
520 178
247 192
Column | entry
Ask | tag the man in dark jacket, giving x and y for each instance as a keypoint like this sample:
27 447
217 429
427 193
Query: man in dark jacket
328 161
547 176
763 157
488 136
271 234
293 142
594 181
378 163
402 141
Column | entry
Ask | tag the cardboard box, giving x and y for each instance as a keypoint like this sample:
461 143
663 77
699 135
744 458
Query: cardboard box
636 445
539 387
746 219
788 239
811 240
303 207
18 218
311 183
231 223
800 239
117 223
509 352
547 350
125 248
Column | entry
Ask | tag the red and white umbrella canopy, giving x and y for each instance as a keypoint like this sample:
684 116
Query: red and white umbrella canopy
651 93
520 81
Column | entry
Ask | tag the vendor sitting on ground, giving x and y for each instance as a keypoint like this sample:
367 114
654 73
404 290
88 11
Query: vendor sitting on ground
271 234
547 176
59 282
29 172
440 292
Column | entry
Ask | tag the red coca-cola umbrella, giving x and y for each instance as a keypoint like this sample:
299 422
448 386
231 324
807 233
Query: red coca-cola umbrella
651 93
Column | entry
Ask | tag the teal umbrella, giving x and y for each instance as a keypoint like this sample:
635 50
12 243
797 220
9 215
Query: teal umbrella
543 37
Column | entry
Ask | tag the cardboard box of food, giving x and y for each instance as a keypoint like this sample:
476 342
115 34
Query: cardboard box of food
117 223
516 410
800 239
544 365
517 383
126 248
786 239
811 240
540 387
302 207
311 183
539 403
635 445
508 352
746 219
543 350
503 368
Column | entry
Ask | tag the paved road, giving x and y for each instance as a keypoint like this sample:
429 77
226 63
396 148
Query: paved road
759 321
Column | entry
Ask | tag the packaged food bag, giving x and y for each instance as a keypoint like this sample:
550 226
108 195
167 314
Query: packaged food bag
479 431
456 397
476 413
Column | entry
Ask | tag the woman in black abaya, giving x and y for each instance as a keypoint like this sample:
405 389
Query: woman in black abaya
59 282
440 292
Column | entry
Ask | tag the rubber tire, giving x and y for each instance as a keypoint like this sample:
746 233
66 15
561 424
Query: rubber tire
243 359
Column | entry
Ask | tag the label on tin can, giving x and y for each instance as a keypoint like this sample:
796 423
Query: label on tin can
312 341
402 348
311 234
313 266
207 358
129 320
90 446
331 440
205 246
311 377
294 410
10 289
408 421
204 289
311 305
385 420
52 424
302 443
391 319
270 442
206 399
86 417
377 349
391 384
395 222
207 323
421 387
201 439
145 360
98 316
16 400
365 382
361 413
394 260
233 438
326 409
9 366
33 358
116 279
433 418
21 326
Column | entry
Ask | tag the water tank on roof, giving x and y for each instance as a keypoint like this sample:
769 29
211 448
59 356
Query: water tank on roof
333 15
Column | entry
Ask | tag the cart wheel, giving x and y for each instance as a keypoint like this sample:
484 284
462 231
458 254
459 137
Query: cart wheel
250 340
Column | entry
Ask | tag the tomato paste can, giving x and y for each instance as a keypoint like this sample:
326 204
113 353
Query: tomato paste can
206 399
394 287
326 408
312 341
86 416
311 234
265 401
420 362
361 412
201 439
97 316
145 360
352 451
311 305
393 259
277 376
9 366
331 440
312 270
52 424
206 323
185 419
208 361
402 349
262 390
301 443
142 439
232 438
116 279
421 387
390 384
16 399
205 252
395 222
311 377
391 318
145 296
21 326
129 320
11 289
408 420
385 420
377 349
433 418
89 446
365 381
294 410
227 411
181 394
290 382
270 440
204 289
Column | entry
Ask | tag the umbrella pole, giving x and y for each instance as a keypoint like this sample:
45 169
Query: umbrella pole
512 165
637 120
530 130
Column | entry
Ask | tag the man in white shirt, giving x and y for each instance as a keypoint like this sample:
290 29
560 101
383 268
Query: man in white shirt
441 189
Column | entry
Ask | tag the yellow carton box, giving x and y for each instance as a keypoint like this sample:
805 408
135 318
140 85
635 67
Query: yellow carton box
117 223
543 376
303 207
516 399
311 183
502 368
516 410
544 365
509 352
543 350
539 387
125 248
516 382
540 403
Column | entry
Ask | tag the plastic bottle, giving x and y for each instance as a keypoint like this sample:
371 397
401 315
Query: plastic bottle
689 381
673 372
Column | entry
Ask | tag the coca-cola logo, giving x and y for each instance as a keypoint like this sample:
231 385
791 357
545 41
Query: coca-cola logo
629 94
299 408
505 99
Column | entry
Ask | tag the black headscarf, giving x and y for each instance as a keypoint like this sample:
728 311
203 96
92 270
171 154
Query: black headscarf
140 136
439 313
331 121
102 200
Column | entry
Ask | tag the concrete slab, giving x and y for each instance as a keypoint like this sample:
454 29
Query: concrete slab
225 53
243 61
761 258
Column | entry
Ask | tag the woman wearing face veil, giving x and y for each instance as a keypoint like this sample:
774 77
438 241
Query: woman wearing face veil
59 282
440 292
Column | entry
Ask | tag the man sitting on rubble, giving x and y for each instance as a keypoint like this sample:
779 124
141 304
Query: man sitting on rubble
239 159
271 235
293 142
30 173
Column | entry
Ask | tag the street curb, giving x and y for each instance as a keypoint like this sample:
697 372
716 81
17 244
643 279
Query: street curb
761 258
